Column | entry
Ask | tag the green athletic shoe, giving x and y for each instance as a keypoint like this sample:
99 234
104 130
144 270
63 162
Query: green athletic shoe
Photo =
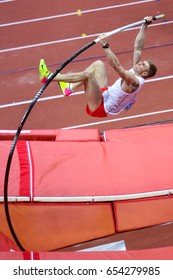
64 86
43 71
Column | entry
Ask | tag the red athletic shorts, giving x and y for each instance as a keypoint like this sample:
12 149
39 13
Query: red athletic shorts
100 111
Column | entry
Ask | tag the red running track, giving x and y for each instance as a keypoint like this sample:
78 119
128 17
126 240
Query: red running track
22 46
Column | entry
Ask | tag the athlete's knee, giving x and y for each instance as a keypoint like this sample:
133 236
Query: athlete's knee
99 63
96 67
88 75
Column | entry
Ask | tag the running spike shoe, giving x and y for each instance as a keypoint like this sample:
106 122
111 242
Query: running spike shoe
64 86
43 71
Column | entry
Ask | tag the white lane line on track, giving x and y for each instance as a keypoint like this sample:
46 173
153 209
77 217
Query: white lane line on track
76 13
120 119
3 1
76 93
73 39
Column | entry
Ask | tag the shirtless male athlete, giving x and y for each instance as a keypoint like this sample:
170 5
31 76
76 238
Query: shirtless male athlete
104 100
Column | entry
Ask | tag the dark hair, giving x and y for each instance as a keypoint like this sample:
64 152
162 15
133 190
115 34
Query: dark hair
152 70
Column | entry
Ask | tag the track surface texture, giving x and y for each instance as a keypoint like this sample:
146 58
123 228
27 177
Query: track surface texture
54 31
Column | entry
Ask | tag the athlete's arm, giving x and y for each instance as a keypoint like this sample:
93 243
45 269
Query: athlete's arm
127 76
139 41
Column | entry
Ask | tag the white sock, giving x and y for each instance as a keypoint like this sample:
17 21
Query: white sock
71 87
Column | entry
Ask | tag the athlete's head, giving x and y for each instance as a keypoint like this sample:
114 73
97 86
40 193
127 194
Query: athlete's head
152 69
145 69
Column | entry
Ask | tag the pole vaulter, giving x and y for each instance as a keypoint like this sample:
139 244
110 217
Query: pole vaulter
33 102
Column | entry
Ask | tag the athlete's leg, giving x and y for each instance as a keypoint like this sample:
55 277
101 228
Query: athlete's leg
97 79
94 78
97 68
